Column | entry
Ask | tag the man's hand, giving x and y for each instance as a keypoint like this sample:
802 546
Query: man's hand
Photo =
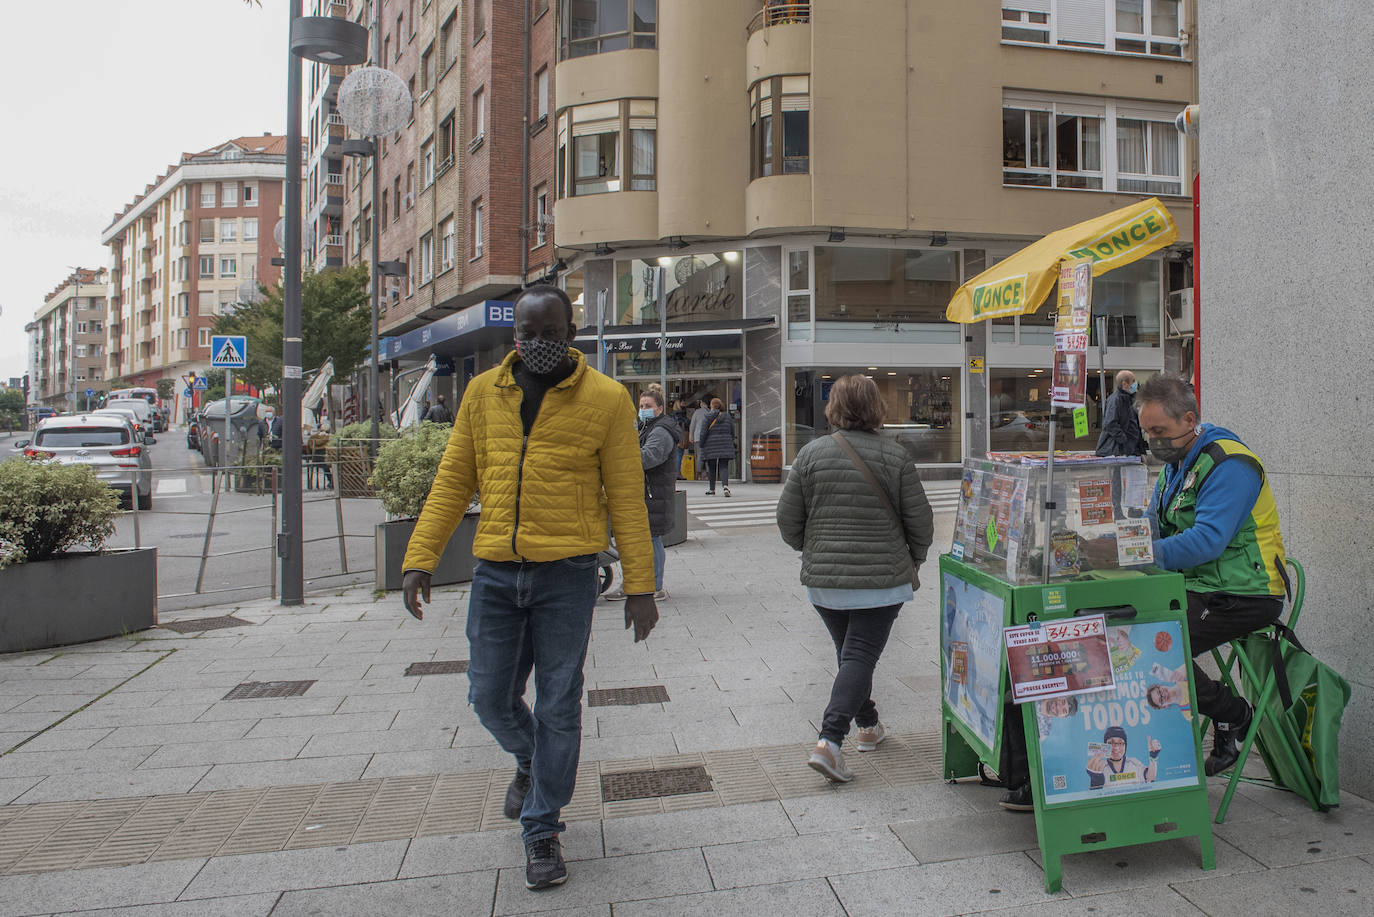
641 611
414 585
1097 763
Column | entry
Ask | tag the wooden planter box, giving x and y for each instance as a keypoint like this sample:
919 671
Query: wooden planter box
77 597
455 564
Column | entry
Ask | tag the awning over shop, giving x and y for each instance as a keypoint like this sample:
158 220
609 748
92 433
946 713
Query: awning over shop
475 328
1018 285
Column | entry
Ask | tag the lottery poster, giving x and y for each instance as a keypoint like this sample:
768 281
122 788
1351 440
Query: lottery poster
971 641
1136 738
1058 658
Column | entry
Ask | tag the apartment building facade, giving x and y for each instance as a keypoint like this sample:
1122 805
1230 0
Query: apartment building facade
67 341
816 179
465 188
195 243
323 177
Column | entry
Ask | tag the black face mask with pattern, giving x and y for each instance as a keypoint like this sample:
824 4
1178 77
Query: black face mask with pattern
542 356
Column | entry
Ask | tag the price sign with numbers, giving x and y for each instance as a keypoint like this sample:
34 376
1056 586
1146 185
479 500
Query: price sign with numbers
1058 658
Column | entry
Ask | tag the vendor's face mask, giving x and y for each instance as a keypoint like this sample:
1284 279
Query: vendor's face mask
542 356
1163 448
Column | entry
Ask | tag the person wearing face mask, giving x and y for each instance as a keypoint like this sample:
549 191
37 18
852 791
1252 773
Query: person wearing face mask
550 444
1120 426
1219 527
658 454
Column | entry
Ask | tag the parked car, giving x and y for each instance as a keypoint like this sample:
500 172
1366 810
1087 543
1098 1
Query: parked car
104 441
140 434
142 410
243 422
149 395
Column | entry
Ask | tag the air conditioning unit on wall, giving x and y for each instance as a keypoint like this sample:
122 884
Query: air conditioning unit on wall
1178 310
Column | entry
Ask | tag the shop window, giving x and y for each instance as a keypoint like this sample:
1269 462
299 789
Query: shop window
698 288
1131 298
596 26
922 408
780 126
799 295
870 294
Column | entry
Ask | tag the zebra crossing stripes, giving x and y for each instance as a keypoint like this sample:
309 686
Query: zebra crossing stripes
732 512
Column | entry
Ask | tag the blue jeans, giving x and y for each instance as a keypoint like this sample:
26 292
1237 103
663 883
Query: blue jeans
659 559
538 616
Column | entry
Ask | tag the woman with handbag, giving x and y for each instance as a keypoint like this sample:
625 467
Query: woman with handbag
854 506
717 446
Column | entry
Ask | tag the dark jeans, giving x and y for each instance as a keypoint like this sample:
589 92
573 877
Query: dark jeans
533 616
859 636
1215 618
719 467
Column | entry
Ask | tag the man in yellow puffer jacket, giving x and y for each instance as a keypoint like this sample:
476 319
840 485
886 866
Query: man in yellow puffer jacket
551 446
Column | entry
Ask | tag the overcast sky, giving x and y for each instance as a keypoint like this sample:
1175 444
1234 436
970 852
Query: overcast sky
100 96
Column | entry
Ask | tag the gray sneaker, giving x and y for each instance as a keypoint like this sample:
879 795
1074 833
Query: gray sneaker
515 796
544 866
827 758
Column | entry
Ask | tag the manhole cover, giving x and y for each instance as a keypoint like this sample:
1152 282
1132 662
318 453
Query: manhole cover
256 689
672 781
196 625
455 667
200 535
627 697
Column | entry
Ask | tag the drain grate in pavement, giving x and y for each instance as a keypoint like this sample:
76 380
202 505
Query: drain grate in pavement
627 697
672 781
453 667
251 690
197 625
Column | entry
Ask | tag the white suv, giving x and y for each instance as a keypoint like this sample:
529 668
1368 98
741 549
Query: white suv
104 441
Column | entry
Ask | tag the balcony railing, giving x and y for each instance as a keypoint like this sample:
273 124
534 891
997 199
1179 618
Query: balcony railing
333 178
779 12
336 118
335 241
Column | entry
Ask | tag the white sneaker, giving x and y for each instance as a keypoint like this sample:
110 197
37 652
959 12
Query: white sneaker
829 760
869 738
617 596
660 595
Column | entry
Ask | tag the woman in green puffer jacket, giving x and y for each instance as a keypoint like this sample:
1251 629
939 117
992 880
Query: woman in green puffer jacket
862 542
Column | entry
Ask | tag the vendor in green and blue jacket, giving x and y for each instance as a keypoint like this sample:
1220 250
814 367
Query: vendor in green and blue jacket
1219 527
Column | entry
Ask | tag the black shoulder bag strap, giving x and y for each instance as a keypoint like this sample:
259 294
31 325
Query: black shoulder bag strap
878 489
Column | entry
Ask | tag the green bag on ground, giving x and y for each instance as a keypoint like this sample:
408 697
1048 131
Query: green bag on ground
1310 699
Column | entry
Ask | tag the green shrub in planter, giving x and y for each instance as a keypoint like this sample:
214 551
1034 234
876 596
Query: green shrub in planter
360 433
406 468
49 508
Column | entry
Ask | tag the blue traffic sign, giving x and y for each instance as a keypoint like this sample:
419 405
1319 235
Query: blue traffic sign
90 392
201 384
186 394
228 351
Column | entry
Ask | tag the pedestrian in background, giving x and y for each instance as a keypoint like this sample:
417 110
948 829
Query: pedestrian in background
683 423
854 506
717 446
657 448
439 412
1120 425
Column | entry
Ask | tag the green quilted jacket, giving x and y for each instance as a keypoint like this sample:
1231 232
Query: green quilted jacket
847 538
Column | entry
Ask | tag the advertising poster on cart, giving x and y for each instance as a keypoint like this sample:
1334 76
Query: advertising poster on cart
1137 738
973 656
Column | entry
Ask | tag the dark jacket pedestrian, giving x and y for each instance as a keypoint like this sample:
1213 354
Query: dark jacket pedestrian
1120 426
859 558
717 446
439 412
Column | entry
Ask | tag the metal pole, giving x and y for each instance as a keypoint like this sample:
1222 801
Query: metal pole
228 409
1049 498
601 330
272 536
338 514
1101 369
372 381
209 529
290 544
663 330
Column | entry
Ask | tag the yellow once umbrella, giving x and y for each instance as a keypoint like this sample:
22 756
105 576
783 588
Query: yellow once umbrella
1019 284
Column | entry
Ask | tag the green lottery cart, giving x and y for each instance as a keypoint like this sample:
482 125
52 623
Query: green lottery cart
1110 765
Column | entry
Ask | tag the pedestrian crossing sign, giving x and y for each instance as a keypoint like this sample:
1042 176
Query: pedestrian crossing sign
228 351
201 384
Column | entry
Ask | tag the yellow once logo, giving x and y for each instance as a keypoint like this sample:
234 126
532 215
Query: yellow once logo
1007 294
1121 239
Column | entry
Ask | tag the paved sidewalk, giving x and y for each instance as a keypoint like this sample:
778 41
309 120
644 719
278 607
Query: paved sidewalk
128 781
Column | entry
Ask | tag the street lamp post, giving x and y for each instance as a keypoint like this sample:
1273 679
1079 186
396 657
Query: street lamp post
325 40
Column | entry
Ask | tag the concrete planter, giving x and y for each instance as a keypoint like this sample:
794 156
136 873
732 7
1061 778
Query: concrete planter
77 597
455 564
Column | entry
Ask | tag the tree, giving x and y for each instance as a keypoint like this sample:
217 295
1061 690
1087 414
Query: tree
11 409
166 388
335 313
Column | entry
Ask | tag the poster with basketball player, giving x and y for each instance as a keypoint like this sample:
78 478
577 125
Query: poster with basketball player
1135 738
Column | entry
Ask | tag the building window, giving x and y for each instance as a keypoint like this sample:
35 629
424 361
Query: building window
799 295
427 70
250 229
1126 26
396 199
207 265
445 243
540 8
207 229
478 128
479 19
228 230
229 194
228 267
427 163
870 294
426 257
381 212
541 95
1052 142
81 348
541 214
478 232
446 138
780 126
207 194
447 55
589 156
183 337
596 26
410 272
203 337
410 184
706 287
250 193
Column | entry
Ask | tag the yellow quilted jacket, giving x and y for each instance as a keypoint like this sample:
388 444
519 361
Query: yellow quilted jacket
548 497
